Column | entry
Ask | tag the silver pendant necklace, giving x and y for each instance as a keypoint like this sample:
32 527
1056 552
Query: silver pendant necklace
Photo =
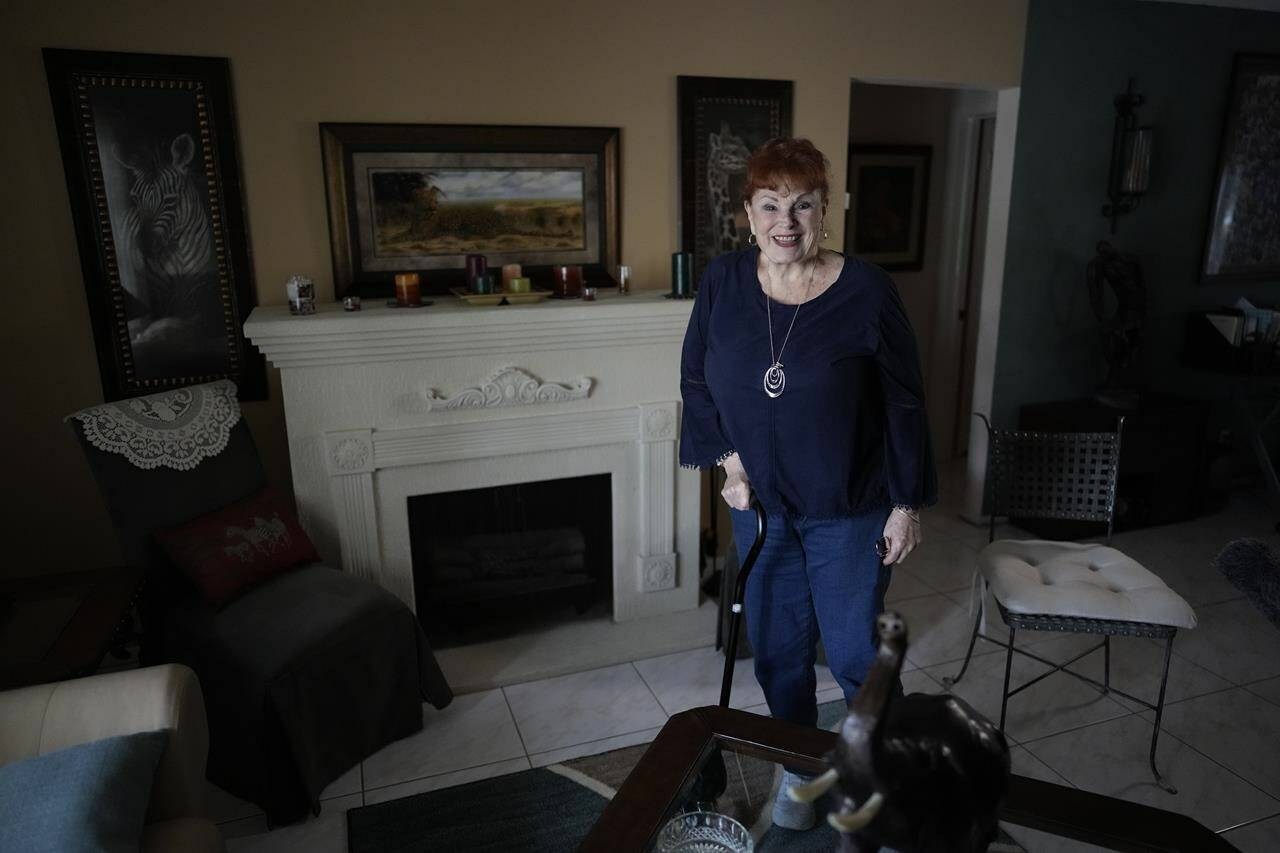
775 380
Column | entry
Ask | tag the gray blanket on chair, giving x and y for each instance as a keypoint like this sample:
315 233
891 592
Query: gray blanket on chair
297 696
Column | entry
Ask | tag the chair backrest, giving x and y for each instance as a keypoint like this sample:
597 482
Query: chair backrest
1057 475
143 500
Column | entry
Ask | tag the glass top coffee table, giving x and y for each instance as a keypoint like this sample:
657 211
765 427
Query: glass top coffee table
662 783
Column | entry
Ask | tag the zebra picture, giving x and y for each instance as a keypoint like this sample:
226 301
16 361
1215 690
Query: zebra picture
165 245
153 174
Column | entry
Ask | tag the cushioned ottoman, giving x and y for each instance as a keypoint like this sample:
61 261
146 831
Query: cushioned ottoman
1032 576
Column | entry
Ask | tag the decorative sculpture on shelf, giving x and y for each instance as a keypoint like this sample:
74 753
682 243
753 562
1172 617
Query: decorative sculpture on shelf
920 773
1122 331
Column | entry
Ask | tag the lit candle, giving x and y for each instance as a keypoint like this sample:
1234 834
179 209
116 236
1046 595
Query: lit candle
407 291
509 271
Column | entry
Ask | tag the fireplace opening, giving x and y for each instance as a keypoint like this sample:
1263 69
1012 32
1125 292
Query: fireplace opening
496 561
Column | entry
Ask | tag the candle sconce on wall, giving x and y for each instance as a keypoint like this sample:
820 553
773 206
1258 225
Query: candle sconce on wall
1130 171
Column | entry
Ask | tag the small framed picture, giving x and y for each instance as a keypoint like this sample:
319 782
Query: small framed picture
889 193
1243 243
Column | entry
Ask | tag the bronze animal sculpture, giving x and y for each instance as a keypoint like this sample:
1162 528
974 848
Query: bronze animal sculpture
920 773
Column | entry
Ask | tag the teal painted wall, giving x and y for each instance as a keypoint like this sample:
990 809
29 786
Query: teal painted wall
1078 56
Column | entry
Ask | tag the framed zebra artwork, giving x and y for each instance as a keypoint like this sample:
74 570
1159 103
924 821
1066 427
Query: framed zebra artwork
149 151
721 121
421 197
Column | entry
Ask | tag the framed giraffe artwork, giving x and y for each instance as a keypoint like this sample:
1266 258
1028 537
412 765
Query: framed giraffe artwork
421 197
153 173
721 121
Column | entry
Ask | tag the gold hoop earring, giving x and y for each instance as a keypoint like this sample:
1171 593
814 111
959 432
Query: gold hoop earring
751 238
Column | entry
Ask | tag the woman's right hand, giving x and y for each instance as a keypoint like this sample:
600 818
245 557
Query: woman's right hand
737 488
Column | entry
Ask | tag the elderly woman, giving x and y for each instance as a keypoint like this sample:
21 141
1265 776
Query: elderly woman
800 378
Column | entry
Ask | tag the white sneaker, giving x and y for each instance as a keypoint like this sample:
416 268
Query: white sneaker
787 813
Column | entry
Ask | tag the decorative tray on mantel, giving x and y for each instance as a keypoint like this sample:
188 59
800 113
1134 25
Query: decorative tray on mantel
497 298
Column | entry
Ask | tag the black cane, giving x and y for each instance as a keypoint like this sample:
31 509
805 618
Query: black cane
712 779
739 593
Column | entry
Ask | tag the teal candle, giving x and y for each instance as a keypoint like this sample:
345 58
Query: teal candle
482 283
682 274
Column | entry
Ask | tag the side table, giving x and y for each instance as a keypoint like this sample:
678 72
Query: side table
54 627
660 783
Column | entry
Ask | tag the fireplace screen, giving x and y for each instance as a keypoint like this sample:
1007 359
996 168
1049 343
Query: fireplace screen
497 558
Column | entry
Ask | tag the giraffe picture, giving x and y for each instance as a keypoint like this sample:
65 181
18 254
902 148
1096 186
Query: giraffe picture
721 121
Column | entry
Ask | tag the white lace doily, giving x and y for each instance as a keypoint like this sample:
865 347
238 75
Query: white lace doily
176 429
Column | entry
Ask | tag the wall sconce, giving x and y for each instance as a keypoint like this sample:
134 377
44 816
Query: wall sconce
1130 171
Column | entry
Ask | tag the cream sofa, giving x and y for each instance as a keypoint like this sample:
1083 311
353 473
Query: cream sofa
48 717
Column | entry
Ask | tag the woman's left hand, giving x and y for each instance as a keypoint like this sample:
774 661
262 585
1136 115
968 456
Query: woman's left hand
903 534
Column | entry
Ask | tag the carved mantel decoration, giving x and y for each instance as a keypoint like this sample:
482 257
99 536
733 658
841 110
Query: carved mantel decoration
511 386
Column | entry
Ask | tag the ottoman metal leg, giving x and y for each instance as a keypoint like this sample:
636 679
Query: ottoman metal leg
1106 664
1155 733
1008 670
948 681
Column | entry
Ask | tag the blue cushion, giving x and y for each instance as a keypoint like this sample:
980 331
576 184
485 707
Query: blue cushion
90 797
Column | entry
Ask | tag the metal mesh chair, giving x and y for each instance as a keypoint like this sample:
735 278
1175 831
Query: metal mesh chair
1069 587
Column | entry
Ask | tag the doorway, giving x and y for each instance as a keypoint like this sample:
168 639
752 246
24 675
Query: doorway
981 130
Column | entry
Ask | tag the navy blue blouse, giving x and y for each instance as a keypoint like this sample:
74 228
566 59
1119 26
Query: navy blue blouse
849 433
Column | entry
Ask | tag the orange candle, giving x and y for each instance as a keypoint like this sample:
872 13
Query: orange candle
510 271
407 290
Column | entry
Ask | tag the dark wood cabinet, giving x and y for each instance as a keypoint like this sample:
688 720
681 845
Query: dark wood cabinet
1163 452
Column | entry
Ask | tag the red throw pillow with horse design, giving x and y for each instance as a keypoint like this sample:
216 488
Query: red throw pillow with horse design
228 552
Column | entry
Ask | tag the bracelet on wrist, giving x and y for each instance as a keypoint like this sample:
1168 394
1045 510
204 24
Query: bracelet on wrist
725 457
909 511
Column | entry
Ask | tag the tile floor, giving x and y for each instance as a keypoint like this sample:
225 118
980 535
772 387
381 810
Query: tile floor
1219 742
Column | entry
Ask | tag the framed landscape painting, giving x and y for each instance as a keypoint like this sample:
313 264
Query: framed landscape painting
721 121
149 151
888 193
420 198
1243 243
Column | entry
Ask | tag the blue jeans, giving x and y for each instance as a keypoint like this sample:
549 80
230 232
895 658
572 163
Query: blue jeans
814 576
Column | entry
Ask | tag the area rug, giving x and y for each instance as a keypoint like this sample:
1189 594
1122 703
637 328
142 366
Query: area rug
551 809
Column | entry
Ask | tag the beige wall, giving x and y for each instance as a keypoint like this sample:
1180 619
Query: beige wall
296 64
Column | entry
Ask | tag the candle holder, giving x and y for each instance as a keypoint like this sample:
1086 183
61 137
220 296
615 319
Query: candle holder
681 275
477 265
408 291
568 282
510 272
624 279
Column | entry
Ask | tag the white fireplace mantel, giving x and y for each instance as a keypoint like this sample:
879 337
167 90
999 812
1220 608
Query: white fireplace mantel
384 404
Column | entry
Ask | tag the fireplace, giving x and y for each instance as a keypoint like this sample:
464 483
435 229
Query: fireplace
384 405
485 558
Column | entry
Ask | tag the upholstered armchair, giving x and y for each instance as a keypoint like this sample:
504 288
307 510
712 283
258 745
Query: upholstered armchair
49 717
306 670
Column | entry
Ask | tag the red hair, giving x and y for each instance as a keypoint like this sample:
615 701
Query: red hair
780 163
